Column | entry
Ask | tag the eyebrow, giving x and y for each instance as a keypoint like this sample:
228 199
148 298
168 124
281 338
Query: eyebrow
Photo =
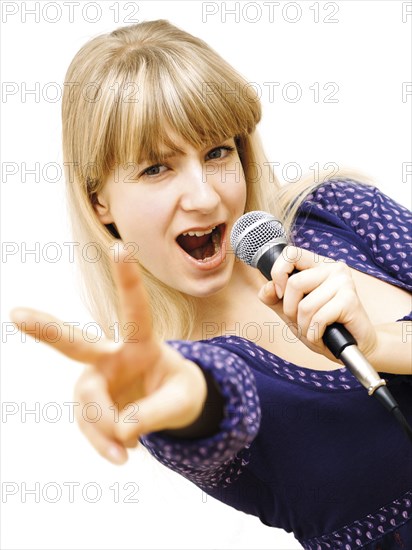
162 155
168 154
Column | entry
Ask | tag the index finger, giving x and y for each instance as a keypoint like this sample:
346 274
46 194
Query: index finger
135 311
294 259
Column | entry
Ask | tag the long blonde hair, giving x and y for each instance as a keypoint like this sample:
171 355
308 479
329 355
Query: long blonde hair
121 91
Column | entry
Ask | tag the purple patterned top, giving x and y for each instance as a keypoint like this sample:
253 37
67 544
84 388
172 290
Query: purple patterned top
307 450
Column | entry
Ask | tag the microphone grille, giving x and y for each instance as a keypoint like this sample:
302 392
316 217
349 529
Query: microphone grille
252 231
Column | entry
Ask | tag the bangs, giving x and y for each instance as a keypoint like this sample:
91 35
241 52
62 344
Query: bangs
164 93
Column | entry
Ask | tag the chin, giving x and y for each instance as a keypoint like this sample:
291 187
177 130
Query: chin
205 289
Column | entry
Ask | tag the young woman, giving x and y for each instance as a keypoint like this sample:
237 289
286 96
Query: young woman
162 158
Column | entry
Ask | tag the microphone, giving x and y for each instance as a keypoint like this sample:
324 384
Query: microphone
258 238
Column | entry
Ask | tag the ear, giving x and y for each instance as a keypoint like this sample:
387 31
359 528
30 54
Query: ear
101 207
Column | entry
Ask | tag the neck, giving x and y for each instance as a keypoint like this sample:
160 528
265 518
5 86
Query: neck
214 310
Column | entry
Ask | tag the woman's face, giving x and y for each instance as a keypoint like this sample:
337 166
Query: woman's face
176 216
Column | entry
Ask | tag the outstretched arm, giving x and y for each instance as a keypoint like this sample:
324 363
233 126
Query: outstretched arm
187 392
167 390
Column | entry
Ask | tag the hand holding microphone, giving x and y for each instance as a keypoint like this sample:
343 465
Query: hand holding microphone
311 292
319 298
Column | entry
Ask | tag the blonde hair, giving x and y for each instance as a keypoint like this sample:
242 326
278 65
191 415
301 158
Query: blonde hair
122 90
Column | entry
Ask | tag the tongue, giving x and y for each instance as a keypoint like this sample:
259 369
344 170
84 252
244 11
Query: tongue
203 251
189 243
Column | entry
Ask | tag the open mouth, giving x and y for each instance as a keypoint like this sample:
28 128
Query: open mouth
202 245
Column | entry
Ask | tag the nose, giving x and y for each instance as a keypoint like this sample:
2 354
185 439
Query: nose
199 189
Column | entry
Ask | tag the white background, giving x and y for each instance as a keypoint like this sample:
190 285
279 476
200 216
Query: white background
366 53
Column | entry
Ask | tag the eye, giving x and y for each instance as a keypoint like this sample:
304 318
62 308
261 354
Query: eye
219 152
154 170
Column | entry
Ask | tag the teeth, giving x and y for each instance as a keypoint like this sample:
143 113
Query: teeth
198 233
216 241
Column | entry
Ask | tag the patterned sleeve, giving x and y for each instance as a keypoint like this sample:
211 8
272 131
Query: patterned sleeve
378 228
385 226
209 462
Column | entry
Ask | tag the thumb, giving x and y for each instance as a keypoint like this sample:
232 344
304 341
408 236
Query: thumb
269 294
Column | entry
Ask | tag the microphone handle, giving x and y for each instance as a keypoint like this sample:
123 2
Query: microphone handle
336 337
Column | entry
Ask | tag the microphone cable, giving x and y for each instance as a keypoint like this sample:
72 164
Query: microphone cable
384 396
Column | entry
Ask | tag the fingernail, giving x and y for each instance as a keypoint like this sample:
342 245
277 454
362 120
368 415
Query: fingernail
279 291
18 315
264 291
116 454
